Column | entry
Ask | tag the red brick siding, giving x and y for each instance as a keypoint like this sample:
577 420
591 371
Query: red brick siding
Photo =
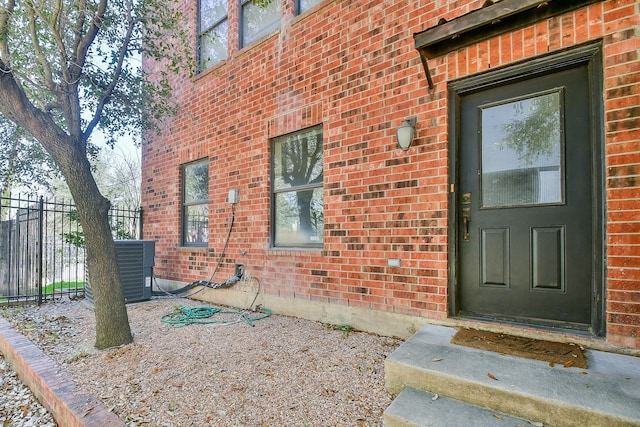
621 21
351 66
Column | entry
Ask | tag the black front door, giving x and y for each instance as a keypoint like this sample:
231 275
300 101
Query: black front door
525 199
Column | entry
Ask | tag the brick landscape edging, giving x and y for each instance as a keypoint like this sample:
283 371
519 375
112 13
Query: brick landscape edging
53 387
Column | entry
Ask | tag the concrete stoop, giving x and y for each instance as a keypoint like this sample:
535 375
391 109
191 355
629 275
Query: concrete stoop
441 384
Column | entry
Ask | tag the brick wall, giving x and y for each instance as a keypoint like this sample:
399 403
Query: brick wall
352 66
620 32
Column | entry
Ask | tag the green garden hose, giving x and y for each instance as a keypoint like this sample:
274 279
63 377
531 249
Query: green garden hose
185 315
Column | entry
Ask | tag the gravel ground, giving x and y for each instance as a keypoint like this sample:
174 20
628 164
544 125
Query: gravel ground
18 406
283 371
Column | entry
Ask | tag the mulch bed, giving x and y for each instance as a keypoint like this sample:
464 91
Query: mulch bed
565 354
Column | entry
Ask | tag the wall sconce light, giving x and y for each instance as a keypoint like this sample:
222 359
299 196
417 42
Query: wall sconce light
406 132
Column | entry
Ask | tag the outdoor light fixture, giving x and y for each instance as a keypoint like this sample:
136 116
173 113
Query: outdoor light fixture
405 133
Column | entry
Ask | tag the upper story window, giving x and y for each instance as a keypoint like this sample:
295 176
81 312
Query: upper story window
304 5
298 201
212 32
195 203
257 19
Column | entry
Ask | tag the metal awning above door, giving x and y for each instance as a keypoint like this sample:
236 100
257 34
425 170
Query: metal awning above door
493 18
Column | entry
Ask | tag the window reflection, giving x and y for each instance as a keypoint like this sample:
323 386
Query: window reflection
297 161
304 5
259 18
195 203
197 224
522 152
213 46
212 12
213 30
294 226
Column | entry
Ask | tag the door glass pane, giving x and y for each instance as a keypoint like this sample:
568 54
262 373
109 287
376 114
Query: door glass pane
522 152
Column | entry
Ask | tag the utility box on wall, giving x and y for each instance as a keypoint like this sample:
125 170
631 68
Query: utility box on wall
135 262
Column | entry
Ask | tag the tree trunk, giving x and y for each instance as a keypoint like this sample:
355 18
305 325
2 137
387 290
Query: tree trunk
304 209
112 322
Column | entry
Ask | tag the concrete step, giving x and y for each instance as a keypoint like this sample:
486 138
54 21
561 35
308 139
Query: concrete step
417 408
605 394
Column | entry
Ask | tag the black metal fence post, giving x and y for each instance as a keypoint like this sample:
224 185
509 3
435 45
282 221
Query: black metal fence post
40 247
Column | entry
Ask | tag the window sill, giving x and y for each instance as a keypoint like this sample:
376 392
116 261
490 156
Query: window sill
203 249
257 43
277 251
213 69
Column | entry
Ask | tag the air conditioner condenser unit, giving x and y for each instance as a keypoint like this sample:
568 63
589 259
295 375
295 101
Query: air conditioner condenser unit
136 259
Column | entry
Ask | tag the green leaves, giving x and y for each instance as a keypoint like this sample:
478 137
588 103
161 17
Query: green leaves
23 162
80 62
535 130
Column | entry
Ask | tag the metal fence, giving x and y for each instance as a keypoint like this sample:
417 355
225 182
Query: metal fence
42 254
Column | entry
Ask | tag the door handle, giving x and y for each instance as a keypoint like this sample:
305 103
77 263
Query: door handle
466 218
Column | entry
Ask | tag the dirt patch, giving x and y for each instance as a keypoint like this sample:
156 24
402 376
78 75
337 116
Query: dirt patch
566 354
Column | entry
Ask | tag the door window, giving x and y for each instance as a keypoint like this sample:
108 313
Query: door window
521 150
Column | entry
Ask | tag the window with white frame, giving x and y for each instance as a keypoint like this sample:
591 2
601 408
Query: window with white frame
297 182
257 19
195 203
212 33
302 6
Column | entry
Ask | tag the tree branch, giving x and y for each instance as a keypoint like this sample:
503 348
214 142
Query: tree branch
122 54
57 30
15 105
5 13
42 60
56 27
82 44
78 31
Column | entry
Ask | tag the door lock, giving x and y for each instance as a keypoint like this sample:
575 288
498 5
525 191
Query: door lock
466 218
